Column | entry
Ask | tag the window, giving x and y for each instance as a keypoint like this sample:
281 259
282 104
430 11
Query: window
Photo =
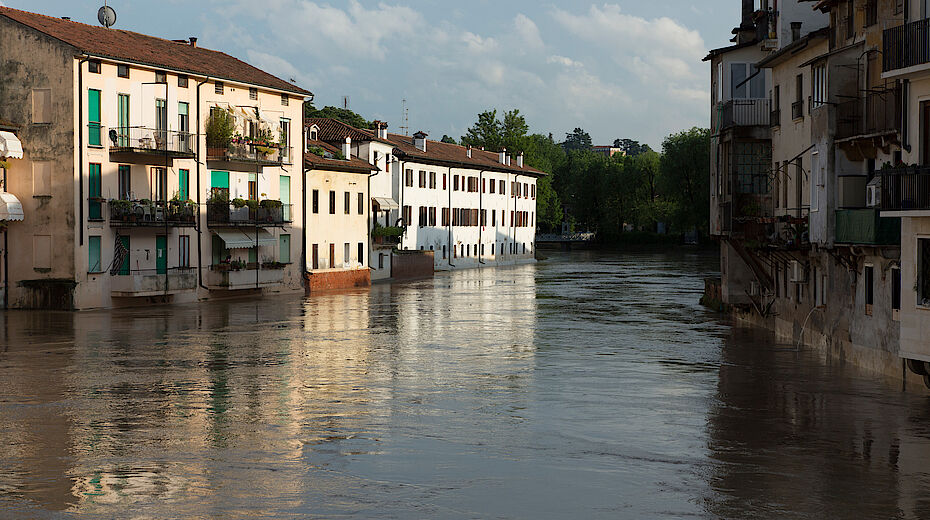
184 251
746 81
408 178
93 66
218 87
161 183
493 216
455 183
895 290
285 101
122 71
444 187
332 256
533 191
161 77
42 105
422 216
850 19
868 280
407 215
797 108
93 254
125 182
347 200
183 185
871 13
445 217
184 126
361 203
284 194
493 186
332 202
346 252
432 216
316 256
819 85
93 118
361 252
443 252
182 80
253 93
380 260
284 133
432 180
94 189
284 249
422 179
923 272
316 201
502 187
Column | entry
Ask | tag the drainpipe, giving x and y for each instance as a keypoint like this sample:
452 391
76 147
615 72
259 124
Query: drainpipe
480 213
367 215
451 246
6 257
199 227
516 183
80 148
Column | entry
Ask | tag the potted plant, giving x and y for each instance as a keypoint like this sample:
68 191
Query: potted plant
220 128
239 202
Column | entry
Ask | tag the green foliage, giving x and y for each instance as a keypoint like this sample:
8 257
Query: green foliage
317 150
577 140
685 177
238 202
387 231
271 203
486 132
447 139
340 114
631 147
220 127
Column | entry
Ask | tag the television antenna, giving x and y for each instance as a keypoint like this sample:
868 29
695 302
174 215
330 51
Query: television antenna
106 16
345 102
406 126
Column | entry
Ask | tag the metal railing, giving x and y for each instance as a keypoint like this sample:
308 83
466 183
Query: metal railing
223 213
152 213
150 140
875 112
906 45
252 153
745 112
905 188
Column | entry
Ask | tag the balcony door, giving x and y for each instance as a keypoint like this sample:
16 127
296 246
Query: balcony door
161 254
161 123
925 132
122 119
184 140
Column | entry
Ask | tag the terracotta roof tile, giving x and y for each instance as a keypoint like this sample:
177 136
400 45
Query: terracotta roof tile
446 153
333 130
315 162
149 50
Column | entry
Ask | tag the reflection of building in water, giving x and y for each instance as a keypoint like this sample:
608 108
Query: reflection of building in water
788 430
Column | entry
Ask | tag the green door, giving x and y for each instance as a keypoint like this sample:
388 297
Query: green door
124 266
285 191
95 189
122 117
161 254
93 117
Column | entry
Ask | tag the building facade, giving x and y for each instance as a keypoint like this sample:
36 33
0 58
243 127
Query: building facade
153 171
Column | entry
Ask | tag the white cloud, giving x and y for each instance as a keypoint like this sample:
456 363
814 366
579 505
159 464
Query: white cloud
527 30
562 60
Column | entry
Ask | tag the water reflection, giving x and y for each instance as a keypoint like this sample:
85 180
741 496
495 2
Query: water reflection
590 386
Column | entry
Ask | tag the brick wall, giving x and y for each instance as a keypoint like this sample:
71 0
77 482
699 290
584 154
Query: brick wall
412 264
330 280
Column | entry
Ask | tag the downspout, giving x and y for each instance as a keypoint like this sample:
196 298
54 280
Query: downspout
517 190
199 217
368 214
481 219
303 221
80 148
451 246
6 258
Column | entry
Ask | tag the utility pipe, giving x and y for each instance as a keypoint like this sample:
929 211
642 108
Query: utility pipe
199 227
81 200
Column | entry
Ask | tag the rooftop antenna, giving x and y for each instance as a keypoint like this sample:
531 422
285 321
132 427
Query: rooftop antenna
406 126
106 16
345 102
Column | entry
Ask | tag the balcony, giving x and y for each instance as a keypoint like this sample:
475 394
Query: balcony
149 282
866 227
246 151
151 141
905 188
145 213
745 112
266 213
227 276
876 113
797 110
906 45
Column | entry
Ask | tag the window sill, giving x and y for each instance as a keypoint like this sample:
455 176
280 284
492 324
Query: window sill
96 146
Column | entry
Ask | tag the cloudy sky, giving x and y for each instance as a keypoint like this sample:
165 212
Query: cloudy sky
622 68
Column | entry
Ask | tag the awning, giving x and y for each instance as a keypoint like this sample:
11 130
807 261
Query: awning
385 203
10 207
245 238
10 146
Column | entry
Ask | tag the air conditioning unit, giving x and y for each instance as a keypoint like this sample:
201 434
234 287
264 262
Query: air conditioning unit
873 196
798 272
754 288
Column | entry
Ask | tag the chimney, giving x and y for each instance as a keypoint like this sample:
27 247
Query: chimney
347 148
67 18
419 140
468 151
748 10
193 41
503 156
382 129
520 160
795 31
508 159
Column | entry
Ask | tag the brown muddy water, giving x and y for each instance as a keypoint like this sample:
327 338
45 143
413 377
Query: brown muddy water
591 385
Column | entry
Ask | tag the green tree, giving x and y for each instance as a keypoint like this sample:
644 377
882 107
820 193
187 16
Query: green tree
486 132
684 178
340 114
578 139
631 147
447 139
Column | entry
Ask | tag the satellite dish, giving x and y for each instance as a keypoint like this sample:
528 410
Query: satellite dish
106 16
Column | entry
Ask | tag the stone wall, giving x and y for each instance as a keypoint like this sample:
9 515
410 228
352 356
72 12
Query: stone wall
317 281
412 264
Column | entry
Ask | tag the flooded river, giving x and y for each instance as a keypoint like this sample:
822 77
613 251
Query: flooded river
592 385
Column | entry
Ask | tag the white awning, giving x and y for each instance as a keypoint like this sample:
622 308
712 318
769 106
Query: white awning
10 146
10 207
245 238
385 203
264 237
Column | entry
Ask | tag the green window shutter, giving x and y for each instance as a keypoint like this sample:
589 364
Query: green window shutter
122 117
285 253
94 189
285 193
124 267
183 185
93 117
253 255
219 180
93 255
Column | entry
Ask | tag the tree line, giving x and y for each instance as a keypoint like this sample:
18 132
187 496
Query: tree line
636 189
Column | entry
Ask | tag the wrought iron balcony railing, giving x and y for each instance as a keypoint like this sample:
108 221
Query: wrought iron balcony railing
906 45
223 213
144 213
745 112
138 139
905 188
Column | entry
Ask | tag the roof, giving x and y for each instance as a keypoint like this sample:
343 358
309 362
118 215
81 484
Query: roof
353 164
8 125
334 130
792 48
448 154
723 50
149 50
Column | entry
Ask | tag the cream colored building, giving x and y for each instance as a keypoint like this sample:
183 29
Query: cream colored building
125 200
